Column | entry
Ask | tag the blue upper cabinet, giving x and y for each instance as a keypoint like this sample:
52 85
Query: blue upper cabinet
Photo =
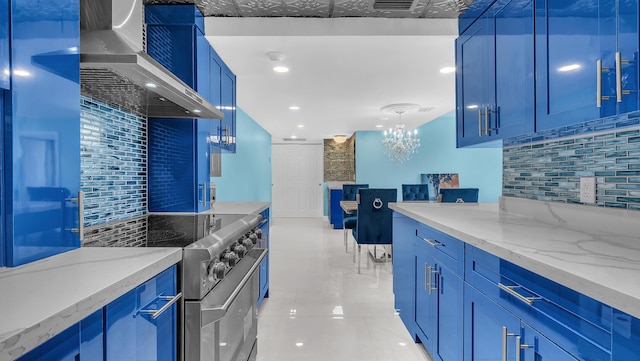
4 45
586 60
41 130
495 82
223 92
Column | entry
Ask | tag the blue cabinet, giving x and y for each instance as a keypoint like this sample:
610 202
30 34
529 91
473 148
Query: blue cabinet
264 265
5 49
404 270
82 341
138 327
335 211
578 76
493 333
495 83
223 95
41 130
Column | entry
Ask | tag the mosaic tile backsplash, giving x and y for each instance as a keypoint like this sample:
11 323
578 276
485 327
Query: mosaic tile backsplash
548 166
113 166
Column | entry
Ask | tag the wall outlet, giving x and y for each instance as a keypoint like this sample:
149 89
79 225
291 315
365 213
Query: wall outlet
588 189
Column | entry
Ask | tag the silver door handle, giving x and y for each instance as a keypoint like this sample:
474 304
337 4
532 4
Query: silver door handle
510 290
430 285
156 313
619 91
505 335
425 277
80 201
486 120
479 122
599 96
432 242
520 346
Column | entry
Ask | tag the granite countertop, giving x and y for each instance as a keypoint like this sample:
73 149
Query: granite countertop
239 207
593 250
42 298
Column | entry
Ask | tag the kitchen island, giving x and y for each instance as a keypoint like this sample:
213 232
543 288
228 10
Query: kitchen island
43 298
520 278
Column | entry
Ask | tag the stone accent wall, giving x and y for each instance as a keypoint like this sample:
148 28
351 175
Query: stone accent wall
340 160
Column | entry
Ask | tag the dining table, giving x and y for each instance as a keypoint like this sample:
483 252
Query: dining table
349 206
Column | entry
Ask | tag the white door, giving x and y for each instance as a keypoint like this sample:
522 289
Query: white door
297 180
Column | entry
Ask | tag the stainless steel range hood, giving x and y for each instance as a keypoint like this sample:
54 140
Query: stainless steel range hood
115 68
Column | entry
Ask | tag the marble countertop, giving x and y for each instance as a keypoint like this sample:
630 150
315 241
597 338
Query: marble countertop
593 250
42 298
239 207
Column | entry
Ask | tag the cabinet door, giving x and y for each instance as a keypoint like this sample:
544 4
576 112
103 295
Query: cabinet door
5 49
203 75
567 49
132 333
264 265
448 344
65 346
627 42
489 330
203 163
42 136
533 346
426 298
475 80
228 125
514 69
404 272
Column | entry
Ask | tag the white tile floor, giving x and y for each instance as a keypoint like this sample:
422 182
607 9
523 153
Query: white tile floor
320 308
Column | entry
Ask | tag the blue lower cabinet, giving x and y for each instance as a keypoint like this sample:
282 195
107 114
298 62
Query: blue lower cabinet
533 346
426 299
335 211
82 341
626 337
404 274
264 265
136 328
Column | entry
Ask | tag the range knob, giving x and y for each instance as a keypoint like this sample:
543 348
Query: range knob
240 250
248 243
255 236
258 233
217 270
231 258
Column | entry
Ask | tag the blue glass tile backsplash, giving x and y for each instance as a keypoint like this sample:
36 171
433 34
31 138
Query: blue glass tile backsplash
548 165
113 149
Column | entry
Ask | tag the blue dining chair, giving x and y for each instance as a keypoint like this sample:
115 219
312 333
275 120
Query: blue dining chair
374 220
459 195
349 193
415 192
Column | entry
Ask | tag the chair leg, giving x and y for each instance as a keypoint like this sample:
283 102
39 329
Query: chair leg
366 253
359 256
345 241
354 250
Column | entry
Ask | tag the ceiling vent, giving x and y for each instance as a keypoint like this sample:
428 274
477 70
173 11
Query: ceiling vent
393 4
294 139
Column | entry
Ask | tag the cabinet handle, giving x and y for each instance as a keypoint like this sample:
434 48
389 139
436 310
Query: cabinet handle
520 346
80 201
432 271
619 91
156 313
599 96
432 242
204 194
479 122
486 120
505 334
425 277
510 290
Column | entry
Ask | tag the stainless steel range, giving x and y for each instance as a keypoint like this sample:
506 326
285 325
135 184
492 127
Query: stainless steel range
220 285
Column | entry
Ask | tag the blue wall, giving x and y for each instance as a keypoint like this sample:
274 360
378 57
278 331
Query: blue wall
246 175
477 167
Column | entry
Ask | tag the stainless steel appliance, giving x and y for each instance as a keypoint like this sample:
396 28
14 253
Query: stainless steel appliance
220 282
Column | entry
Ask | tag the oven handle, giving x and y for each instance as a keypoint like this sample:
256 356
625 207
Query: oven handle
212 314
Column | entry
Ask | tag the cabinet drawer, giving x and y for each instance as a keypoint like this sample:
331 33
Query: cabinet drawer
577 323
448 251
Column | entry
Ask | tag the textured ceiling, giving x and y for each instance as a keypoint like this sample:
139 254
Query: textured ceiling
326 8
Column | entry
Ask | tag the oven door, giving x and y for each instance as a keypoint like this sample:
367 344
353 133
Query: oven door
223 325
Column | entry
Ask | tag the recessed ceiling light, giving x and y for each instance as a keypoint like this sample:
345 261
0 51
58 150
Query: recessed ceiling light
300 125
447 70
294 137
151 85
294 107
379 125
280 69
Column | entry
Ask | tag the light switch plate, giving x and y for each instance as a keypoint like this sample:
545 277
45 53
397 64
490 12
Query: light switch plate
588 189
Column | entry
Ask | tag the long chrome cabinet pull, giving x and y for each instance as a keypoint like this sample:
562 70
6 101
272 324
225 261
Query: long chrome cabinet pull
505 334
479 122
486 120
80 201
432 271
520 346
599 96
156 313
425 277
619 91
204 194
510 290
432 242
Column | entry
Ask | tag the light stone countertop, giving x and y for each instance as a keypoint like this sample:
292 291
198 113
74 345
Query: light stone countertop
593 250
239 207
42 298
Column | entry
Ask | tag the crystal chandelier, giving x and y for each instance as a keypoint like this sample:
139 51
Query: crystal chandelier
399 144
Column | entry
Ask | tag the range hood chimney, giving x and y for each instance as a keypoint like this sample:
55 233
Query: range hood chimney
115 68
